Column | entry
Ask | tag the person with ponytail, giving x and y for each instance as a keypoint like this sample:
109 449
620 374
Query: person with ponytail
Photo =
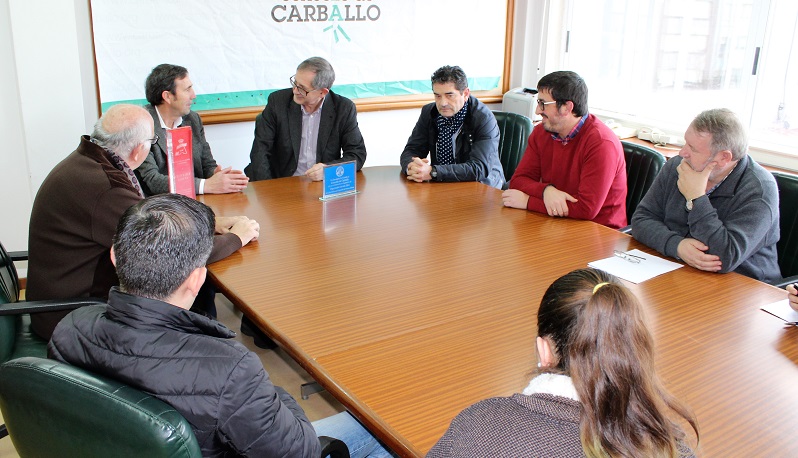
597 393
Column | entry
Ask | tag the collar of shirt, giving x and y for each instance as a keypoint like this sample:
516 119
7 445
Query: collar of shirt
318 110
572 134
554 384
724 179
178 122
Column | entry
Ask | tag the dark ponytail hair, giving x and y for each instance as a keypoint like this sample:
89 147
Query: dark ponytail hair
601 339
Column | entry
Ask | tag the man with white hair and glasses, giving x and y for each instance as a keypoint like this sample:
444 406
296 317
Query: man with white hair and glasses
304 127
78 206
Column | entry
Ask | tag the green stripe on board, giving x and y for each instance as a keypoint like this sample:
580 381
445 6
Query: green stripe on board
352 91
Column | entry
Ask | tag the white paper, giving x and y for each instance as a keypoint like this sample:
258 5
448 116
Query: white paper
782 309
649 266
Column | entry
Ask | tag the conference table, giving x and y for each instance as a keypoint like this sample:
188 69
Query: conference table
410 301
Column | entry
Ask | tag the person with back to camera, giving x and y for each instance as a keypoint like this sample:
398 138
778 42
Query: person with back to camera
147 338
597 394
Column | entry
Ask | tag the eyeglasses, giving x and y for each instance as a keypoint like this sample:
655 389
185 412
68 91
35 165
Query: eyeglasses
629 257
302 91
153 140
542 104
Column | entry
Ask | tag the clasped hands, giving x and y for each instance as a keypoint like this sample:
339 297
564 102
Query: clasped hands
419 170
246 229
224 181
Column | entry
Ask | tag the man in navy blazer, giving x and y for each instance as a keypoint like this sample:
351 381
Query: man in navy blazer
305 127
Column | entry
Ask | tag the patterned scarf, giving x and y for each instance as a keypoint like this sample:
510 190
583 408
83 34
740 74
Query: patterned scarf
122 166
446 129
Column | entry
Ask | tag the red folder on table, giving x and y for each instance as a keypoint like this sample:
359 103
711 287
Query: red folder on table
180 161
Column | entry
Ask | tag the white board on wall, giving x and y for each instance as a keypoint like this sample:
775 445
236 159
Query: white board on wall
238 51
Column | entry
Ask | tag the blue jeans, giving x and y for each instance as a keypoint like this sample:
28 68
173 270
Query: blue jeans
358 439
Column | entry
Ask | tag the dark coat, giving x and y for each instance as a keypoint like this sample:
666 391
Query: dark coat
278 135
477 146
72 225
189 362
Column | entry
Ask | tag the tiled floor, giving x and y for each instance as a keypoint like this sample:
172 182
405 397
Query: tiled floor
283 371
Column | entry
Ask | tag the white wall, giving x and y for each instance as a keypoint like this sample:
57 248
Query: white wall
48 94
43 106
14 184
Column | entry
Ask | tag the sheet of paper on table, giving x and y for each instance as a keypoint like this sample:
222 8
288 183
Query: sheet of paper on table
782 309
649 266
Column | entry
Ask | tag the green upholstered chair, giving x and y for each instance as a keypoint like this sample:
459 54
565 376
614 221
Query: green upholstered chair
16 338
53 409
83 414
642 166
514 131
787 247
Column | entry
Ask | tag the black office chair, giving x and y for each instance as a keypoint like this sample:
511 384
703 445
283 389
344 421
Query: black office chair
787 247
16 338
514 131
642 166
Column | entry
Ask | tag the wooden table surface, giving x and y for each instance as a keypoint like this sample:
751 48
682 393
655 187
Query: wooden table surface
411 301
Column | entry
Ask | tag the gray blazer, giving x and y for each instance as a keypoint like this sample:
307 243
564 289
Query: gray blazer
153 173
278 134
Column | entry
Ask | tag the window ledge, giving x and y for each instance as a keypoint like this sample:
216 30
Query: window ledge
767 153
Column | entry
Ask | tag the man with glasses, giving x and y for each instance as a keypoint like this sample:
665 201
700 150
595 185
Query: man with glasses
713 206
79 204
573 166
456 138
305 127
171 94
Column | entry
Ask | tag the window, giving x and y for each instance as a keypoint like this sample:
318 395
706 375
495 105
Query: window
661 62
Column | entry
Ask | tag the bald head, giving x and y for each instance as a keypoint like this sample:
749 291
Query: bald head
123 129
123 117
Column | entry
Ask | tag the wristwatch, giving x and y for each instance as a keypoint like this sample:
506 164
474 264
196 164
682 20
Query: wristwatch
434 173
689 204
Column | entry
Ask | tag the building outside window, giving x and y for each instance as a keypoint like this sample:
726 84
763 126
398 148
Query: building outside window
659 63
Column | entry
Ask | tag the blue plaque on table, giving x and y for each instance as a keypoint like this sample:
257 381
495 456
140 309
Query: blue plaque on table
339 180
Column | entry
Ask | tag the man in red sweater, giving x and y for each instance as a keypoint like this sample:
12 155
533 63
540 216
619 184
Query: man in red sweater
573 165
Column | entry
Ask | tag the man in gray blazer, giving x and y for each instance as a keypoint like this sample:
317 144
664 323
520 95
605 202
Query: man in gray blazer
305 127
171 94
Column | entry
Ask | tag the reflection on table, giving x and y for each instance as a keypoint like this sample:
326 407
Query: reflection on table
411 301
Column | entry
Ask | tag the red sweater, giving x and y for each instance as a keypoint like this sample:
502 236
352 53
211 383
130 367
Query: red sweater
591 168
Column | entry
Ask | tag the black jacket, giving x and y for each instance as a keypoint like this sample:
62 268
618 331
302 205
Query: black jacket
278 135
477 145
188 361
